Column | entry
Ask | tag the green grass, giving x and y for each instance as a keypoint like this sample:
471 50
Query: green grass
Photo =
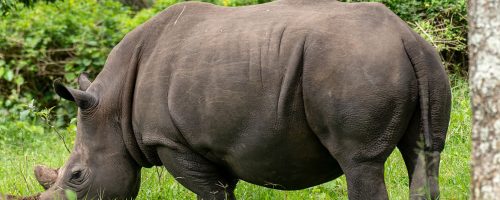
23 145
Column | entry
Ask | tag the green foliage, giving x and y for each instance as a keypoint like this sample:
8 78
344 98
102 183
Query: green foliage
70 195
61 39
10 5
27 135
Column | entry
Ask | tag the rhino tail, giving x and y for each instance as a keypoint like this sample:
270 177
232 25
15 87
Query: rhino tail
418 59
434 91
434 102
418 162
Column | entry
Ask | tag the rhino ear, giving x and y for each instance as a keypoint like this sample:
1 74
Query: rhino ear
83 99
46 176
84 81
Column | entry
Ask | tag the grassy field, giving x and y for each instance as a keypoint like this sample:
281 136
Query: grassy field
23 144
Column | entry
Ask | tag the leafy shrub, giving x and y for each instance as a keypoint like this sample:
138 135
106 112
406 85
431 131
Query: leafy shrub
67 37
61 39
10 5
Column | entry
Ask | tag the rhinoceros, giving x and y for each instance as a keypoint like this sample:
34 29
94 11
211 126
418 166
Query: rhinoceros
286 95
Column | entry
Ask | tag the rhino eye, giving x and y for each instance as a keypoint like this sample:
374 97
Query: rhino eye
76 174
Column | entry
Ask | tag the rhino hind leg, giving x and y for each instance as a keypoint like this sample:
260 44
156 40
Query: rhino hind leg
366 181
363 167
197 174
422 166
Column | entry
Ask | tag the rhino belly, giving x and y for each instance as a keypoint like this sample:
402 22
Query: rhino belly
287 164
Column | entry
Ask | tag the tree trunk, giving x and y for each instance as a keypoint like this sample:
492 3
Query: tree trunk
484 46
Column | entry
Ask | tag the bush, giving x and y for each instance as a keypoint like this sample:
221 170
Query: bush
67 37
48 41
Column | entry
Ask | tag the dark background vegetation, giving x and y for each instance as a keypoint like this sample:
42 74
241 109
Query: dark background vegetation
48 39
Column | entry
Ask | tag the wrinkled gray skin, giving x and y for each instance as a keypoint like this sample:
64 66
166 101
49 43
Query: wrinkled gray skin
285 95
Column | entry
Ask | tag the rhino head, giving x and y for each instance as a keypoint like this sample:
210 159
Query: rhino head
99 166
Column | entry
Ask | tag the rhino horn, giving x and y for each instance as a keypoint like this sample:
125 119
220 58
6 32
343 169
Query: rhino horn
46 176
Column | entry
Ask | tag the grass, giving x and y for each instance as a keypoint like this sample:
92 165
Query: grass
24 144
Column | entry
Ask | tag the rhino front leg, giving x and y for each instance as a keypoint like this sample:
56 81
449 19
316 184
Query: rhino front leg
197 173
